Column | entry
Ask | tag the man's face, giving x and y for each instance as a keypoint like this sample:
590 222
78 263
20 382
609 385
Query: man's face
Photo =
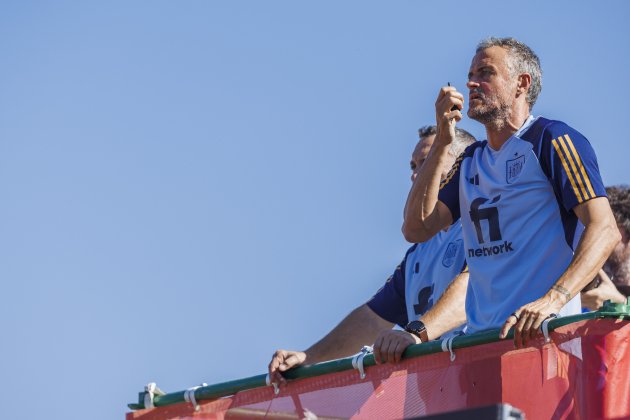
420 154
492 89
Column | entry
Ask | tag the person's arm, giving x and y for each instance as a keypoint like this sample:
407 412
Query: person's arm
594 298
448 312
424 214
359 327
597 242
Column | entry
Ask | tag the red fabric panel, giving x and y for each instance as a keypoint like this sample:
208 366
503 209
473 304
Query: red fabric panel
583 374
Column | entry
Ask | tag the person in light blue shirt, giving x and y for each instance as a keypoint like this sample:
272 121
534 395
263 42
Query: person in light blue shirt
430 281
519 196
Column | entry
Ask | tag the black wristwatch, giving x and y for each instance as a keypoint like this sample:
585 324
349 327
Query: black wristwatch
418 329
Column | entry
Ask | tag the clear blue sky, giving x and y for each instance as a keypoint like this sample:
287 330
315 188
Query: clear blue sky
187 186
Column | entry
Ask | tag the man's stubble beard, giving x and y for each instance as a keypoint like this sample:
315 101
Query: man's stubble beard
494 118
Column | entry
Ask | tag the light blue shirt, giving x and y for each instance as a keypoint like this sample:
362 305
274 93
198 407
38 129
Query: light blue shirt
515 206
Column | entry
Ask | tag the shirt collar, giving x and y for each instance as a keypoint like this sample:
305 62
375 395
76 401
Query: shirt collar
528 122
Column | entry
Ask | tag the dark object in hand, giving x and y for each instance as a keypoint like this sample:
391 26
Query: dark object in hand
454 108
593 284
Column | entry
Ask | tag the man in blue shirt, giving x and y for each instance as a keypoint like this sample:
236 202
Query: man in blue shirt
430 282
519 196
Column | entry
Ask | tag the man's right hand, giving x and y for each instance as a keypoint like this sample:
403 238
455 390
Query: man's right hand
448 107
283 360
391 344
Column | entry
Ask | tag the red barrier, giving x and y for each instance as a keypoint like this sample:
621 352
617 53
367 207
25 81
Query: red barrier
582 374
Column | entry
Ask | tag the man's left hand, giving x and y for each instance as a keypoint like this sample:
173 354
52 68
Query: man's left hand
390 345
528 319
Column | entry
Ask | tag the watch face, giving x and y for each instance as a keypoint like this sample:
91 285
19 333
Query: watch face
418 329
415 326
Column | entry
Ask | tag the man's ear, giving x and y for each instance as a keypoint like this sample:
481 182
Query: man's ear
524 83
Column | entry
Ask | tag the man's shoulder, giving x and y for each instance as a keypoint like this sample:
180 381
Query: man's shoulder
545 130
409 255
411 250
553 126
470 150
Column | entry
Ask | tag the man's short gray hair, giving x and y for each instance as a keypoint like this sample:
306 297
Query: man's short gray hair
463 138
522 60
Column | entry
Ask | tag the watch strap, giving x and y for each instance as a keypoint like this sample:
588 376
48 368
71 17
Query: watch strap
418 329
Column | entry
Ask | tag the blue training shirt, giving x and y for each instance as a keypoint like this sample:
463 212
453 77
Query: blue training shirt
421 278
515 206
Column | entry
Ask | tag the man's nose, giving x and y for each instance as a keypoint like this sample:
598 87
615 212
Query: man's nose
471 84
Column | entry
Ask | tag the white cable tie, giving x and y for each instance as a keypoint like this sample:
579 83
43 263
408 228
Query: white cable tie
149 395
357 360
443 343
189 396
447 345
276 389
545 327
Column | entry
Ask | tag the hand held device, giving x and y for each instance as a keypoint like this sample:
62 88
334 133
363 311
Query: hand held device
454 108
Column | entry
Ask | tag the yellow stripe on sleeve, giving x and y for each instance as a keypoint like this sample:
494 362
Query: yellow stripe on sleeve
575 167
581 166
567 170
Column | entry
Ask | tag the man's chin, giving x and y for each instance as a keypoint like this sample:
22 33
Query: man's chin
480 115
487 115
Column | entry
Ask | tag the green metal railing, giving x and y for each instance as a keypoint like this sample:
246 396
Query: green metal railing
210 392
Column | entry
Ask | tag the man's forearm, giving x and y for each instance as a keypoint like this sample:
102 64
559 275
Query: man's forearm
597 242
421 220
359 328
449 311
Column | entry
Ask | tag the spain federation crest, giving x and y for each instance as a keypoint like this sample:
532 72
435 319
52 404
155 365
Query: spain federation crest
513 168
451 253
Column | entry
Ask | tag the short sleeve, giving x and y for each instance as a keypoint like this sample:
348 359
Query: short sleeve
449 188
571 165
389 302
